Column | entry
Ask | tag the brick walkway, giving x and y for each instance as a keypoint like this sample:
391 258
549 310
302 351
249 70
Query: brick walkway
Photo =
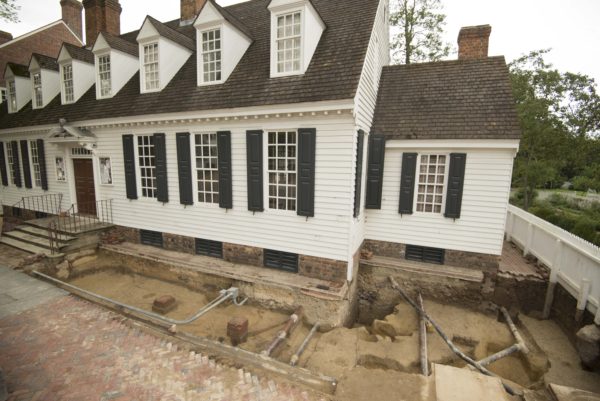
513 263
68 349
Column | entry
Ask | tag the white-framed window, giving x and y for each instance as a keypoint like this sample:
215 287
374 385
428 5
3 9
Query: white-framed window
67 76
35 163
207 167
104 75
282 169
289 42
430 185
38 97
211 55
147 165
2 95
12 95
11 164
151 77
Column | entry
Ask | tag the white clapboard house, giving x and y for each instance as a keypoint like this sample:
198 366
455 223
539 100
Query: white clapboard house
270 132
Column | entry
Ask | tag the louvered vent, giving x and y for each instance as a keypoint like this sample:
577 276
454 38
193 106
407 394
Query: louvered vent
281 260
153 238
425 254
209 248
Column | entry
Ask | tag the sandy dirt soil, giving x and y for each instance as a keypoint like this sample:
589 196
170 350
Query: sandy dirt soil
141 291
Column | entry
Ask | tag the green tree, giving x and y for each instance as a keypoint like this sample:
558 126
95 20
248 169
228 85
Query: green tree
560 120
417 28
9 11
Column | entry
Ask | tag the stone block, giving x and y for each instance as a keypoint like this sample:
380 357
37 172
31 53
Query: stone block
84 261
164 304
242 254
588 346
323 269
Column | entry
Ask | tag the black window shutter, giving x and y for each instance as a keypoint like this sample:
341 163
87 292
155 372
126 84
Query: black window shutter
17 167
3 171
456 179
254 157
358 179
26 165
162 183
225 174
184 167
375 171
407 182
129 160
42 161
307 142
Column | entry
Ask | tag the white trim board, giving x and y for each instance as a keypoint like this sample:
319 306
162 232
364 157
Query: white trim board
38 30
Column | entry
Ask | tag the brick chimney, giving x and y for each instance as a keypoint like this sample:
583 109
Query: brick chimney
5 37
473 42
190 9
101 15
71 15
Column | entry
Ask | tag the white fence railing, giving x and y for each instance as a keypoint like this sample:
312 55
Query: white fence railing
574 262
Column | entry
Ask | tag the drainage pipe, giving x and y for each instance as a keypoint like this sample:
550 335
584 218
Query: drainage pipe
520 342
230 293
423 337
296 356
285 332
450 344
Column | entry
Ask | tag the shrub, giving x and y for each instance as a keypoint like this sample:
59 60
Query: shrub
586 230
582 183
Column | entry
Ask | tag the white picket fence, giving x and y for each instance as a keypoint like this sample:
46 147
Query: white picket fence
574 262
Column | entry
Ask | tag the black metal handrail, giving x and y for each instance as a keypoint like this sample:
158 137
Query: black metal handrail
80 217
49 204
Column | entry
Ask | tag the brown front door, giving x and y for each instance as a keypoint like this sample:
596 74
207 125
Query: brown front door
84 186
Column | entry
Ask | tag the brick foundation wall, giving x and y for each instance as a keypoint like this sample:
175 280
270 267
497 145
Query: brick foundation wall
323 269
120 234
489 264
179 243
243 254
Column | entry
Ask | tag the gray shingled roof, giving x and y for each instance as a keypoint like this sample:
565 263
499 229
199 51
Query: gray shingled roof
229 17
172 34
121 44
79 53
460 99
333 73
45 62
18 70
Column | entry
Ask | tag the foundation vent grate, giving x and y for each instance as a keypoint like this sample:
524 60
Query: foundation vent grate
281 260
209 248
425 254
153 238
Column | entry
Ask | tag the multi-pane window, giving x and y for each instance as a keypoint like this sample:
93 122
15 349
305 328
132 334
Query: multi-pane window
207 168
2 95
37 89
147 163
430 192
35 163
68 83
211 55
282 170
104 75
151 79
11 164
289 37
12 95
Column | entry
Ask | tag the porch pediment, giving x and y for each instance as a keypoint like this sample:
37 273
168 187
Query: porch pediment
65 133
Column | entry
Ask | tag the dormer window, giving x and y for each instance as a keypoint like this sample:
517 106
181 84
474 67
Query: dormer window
151 77
37 90
289 39
296 29
12 96
211 55
104 75
2 95
67 76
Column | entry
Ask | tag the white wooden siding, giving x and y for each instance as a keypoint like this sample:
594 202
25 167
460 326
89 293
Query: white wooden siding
484 204
11 194
326 235
377 57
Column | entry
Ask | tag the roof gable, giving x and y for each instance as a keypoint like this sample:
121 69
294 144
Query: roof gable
70 52
212 12
16 70
152 28
39 61
107 41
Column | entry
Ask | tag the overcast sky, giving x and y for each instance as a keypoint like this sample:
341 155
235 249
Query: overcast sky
569 27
